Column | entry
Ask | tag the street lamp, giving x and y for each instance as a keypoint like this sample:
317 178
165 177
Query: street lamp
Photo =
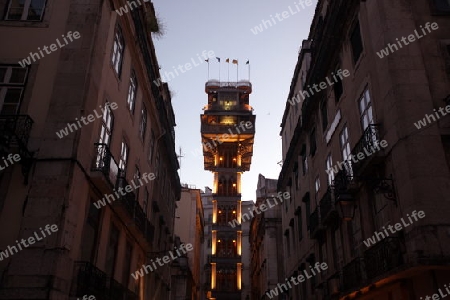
347 206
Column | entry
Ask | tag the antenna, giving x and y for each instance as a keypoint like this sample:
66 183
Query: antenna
180 155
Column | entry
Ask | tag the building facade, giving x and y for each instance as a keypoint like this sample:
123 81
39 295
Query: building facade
369 185
266 242
189 227
95 138
227 129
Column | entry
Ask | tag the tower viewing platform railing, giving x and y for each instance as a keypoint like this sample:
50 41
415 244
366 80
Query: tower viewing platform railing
241 84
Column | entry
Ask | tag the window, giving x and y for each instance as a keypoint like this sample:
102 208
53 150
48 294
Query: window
338 88
151 146
441 6
365 109
143 124
127 264
117 53
107 126
356 42
90 234
345 150
317 184
111 251
324 114
136 177
312 142
288 242
305 164
329 165
157 163
307 208
12 85
123 156
296 175
299 224
145 208
132 89
25 10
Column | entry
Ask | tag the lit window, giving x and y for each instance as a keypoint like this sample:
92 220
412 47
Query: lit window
107 126
132 89
317 184
12 84
365 109
123 156
117 53
25 10
345 150
329 164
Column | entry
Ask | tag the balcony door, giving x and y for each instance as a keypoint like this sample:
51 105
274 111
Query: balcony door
12 86
90 234
107 126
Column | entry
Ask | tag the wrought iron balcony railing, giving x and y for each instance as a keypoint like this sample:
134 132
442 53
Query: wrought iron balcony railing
14 134
104 162
352 274
15 130
383 257
369 140
89 280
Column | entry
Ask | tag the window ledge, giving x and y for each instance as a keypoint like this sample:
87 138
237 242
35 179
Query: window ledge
36 24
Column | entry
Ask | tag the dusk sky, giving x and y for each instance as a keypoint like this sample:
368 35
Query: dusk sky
225 29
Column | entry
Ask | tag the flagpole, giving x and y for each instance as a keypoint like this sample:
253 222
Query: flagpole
219 70
228 71
237 72
208 68
248 71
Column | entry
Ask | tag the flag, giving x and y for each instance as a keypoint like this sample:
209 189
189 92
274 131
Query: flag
218 59
207 60
247 62
227 60
235 61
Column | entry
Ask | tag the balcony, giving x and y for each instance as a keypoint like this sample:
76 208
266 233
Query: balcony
232 129
369 140
214 84
243 108
383 257
14 135
352 274
104 168
89 280
344 183
328 212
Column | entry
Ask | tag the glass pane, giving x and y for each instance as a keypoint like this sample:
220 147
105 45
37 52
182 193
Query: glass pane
13 95
36 10
18 75
15 10
3 73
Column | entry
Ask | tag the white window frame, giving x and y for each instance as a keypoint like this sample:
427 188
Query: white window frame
329 163
107 126
25 11
365 109
124 151
344 142
118 51
132 92
143 123
6 84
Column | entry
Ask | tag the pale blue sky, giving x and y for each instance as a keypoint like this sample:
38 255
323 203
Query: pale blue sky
224 27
